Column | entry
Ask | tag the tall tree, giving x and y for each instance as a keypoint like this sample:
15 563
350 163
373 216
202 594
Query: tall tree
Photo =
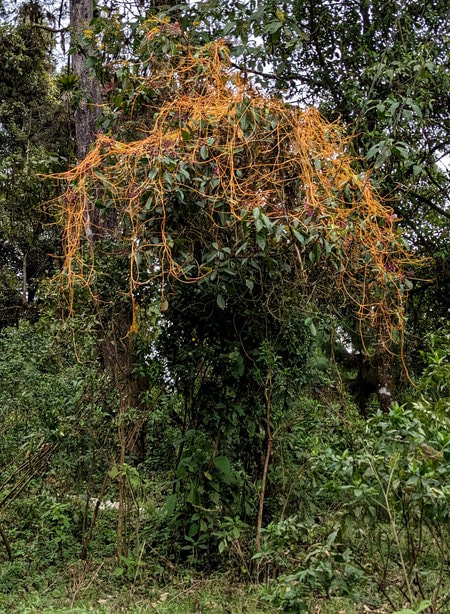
233 211
34 140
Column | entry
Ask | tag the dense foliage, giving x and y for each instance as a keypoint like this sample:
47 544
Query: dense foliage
221 368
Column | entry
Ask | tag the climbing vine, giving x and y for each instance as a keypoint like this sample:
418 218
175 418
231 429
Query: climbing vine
214 162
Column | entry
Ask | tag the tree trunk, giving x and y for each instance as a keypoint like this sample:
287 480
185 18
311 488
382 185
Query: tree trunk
268 398
117 348
385 384
24 280
88 111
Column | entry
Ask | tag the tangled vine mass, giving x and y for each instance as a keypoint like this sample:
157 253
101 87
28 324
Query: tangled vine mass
215 159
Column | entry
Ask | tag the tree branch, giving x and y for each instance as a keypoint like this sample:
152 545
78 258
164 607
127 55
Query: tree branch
42 26
426 201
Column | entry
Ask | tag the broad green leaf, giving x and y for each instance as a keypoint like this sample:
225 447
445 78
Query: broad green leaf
261 241
223 465
171 503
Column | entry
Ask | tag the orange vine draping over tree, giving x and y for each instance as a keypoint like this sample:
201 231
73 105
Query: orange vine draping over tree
212 158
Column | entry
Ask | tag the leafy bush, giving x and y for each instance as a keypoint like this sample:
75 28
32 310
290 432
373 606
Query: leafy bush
388 529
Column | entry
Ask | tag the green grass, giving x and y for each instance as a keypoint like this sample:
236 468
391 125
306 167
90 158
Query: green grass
79 590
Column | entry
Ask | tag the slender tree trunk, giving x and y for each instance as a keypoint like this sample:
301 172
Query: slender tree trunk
88 111
24 280
385 384
268 397
6 542
88 539
116 350
122 483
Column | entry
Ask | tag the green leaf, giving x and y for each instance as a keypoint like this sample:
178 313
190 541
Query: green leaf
261 241
223 465
423 605
266 221
101 176
230 27
221 301
91 61
273 27
241 248
168 177
186 135
259 225
373 151
193 529
298 235
114 472
170 505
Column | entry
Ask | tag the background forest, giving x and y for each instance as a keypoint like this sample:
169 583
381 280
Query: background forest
224 281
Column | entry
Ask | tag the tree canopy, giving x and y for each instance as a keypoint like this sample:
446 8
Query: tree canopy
218 159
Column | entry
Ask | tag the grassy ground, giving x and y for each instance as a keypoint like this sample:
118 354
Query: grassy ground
81 589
